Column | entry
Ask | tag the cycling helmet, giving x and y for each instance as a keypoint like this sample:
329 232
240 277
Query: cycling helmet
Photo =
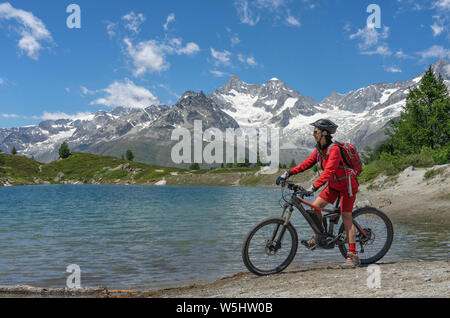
326 124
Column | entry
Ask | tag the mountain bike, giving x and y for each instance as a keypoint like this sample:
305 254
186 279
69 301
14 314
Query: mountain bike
271 246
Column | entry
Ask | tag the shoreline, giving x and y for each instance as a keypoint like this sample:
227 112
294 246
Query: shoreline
409 278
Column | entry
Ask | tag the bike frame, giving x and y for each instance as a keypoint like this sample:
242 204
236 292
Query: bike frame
298 203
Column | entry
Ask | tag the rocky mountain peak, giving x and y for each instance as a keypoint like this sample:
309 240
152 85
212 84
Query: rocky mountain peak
442 66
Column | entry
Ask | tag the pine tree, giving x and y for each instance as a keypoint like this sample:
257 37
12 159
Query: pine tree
64 151
14 151
129 155
293 164
425 120
194 166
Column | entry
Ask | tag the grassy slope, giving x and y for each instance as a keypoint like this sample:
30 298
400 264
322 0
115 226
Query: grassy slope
89 168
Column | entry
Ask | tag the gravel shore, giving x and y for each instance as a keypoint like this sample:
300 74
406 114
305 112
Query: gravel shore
401 279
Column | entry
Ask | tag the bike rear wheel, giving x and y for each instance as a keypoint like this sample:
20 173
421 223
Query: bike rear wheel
380 232
270 247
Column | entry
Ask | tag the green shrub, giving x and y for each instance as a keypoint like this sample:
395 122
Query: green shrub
433 173
129 154
420 160
388 167
369 172
64 151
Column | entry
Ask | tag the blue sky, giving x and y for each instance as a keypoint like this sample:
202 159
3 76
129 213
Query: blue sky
138 52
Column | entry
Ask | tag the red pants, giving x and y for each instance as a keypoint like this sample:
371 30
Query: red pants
330 195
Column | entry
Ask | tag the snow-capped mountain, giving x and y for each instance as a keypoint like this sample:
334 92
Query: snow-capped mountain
361 115
271 104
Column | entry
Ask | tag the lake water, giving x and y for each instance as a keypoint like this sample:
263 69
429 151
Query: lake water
142 237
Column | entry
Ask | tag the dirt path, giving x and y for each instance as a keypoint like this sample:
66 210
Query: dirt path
402 279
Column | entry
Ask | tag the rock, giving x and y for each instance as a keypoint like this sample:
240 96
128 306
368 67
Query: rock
379 180
361 204
38 181
125 166
161 182
384 202
408 171
46 182
159 170
59 177
174 173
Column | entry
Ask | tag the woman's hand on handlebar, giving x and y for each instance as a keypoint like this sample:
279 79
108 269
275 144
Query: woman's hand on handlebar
282 179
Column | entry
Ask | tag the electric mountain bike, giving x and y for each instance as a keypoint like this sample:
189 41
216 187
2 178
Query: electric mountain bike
271 246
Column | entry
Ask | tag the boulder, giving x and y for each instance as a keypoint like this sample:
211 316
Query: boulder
59 177
161 182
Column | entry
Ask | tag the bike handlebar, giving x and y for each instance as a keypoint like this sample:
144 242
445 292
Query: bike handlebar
298 189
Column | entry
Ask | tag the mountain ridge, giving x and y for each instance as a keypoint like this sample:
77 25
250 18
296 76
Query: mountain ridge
361 115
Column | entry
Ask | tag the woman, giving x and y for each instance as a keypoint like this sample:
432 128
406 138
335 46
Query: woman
338 185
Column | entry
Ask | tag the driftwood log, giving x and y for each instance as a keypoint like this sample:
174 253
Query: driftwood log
30 290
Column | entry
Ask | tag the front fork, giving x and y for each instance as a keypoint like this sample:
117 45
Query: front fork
278 239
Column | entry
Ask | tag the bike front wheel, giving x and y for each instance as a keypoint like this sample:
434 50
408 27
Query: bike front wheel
270 247
379 235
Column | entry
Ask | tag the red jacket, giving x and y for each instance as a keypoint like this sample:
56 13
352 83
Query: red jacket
332 169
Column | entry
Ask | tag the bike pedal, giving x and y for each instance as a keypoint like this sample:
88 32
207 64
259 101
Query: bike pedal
311 248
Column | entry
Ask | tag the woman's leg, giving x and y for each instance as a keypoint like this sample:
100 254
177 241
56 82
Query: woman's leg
321 203
347 219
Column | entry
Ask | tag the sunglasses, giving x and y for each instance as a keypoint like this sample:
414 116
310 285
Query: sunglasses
316 132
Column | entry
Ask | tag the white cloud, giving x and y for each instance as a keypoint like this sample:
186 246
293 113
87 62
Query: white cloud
437 29
61 115
249 60
218 73
133 21
371 40
235 40
370 36
290 20
127 94
111 29
447 69
271 5
2 81
170 18
31 29
401 55
221 57
436 51
150 56
380 50
246 15
67 89
442 4
347 27
190 49
392 69
87 91
9 116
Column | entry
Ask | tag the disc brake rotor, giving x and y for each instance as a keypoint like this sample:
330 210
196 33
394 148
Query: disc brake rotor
271 248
